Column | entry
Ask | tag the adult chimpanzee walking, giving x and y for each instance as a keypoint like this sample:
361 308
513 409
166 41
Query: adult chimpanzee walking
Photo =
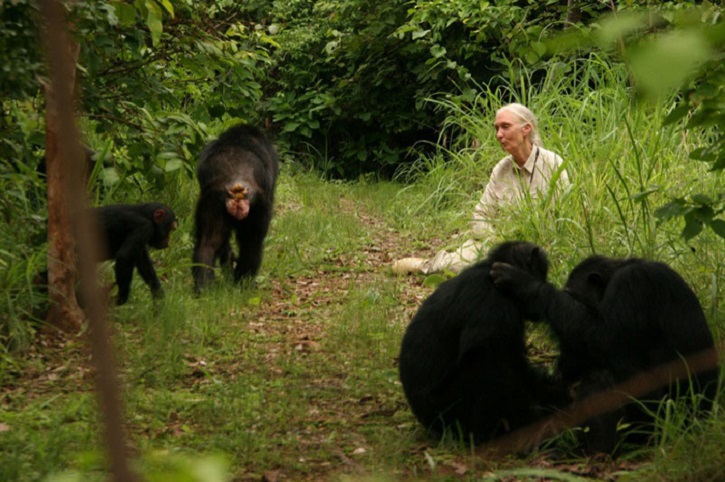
237 178
463 363
128 231
614 319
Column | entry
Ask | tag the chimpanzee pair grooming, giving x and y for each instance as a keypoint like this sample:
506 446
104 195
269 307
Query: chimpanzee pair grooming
237 175
614 319
463 361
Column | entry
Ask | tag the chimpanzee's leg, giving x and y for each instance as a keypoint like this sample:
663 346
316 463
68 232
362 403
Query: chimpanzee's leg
250 235
226 257
124 274
212 233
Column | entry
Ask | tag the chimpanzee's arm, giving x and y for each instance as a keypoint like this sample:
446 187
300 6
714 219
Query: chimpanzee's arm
250 240
532 295
573 322
148 273
571 319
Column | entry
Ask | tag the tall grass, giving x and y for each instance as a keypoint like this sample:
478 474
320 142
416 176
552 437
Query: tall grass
622 162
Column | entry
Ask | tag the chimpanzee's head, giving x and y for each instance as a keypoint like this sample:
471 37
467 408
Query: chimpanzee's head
589 279
523 255
164 222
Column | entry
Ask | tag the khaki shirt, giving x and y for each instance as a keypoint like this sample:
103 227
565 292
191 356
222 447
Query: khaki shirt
508 184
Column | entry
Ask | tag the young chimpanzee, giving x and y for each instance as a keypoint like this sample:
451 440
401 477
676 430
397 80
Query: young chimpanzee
128 231
616 318
463 362
237 177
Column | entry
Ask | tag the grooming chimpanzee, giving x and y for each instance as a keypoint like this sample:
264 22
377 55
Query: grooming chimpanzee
237 177
128 231
616 318
463 363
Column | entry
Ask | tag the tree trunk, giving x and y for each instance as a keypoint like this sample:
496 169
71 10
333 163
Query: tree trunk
64 312
66 194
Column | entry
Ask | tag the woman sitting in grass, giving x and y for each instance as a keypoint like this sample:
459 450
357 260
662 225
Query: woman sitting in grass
526 171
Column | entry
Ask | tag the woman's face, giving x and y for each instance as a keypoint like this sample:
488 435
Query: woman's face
509 132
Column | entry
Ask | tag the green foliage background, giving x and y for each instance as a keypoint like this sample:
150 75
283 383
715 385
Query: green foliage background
345 85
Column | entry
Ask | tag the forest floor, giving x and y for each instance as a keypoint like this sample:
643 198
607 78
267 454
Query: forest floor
373 268
289 324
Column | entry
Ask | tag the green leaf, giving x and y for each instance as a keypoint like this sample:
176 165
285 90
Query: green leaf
290 127
331 46
692 227
708 90
702 199
168 6
676 114
641 196
718 226
438 51
614 28
672 209
420 34
154 21
718 162
539 48
109 176
126 14
174 165
701 154
703 213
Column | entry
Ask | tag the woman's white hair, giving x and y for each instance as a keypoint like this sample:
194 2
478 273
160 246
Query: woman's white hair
527 117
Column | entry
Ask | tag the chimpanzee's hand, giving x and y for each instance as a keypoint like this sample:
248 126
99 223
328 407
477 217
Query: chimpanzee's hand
530 293
510 279
121 299
157 293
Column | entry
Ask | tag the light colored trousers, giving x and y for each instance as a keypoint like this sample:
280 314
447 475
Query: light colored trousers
470 252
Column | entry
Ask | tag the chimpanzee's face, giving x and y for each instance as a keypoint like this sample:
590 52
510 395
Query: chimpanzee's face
165 222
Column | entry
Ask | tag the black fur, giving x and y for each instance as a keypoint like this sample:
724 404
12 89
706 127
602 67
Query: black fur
128 231
616 318
242 159
463 363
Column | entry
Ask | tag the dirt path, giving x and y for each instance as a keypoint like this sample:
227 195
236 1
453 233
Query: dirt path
329 287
